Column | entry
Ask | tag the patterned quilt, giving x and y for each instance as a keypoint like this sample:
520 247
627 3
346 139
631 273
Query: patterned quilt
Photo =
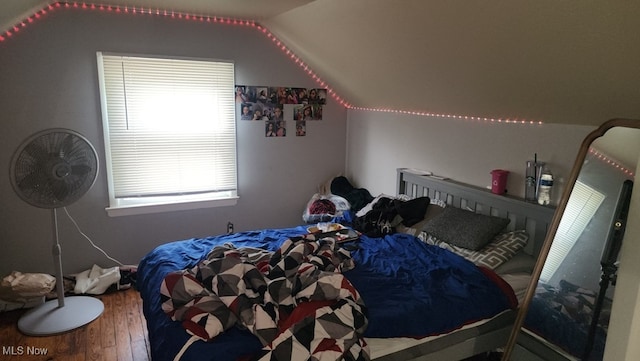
295 300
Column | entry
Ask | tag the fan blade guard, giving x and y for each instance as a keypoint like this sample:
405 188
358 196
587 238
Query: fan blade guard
54 168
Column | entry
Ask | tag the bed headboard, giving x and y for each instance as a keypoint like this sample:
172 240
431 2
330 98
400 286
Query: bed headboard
523 215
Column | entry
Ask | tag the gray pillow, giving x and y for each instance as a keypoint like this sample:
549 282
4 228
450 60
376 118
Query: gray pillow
464 228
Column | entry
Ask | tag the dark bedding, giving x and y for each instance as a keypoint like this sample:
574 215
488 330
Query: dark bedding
408 288
563 315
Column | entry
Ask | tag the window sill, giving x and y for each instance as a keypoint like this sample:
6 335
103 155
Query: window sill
135 207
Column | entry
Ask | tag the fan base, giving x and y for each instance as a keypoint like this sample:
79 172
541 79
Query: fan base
49 318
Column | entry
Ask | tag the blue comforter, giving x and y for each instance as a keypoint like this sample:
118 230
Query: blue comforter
409 288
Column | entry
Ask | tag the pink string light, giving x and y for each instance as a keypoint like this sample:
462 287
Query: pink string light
452 116
250 23
611 162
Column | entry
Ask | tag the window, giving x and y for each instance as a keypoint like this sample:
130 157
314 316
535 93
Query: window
170 136
582 205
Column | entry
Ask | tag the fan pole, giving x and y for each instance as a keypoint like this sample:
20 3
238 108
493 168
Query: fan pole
57 260
54 317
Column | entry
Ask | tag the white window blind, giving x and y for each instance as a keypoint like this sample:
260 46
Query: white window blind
582 205
169 128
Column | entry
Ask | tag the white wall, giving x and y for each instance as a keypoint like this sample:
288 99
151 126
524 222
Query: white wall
463 150
48 78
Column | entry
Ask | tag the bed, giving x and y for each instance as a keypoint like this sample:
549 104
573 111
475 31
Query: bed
405 295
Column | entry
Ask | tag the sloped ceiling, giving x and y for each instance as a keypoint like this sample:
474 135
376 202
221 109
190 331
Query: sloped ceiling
572 61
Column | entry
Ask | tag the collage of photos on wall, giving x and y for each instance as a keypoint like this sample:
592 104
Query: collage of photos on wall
276 106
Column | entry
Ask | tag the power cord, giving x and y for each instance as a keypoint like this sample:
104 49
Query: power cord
89 239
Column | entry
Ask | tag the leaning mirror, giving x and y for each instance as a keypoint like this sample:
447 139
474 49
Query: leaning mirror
565 312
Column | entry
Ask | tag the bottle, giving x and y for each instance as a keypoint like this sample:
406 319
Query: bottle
530 181
544 187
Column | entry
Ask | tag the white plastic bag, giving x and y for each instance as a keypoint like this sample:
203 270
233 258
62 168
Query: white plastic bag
96 280
29 284
340 203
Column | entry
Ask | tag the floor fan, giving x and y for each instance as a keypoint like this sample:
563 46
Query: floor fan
52 169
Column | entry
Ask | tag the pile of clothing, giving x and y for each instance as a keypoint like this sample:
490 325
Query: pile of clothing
372 216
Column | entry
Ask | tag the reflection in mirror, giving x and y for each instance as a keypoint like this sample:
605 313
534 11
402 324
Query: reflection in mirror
567 316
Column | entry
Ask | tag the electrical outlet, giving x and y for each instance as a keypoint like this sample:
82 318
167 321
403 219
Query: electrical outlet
229 227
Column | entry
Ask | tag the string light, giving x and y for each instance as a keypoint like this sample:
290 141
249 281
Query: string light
133 10
609 161
452 116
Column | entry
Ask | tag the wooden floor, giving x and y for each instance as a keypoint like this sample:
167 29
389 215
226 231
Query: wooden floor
120 334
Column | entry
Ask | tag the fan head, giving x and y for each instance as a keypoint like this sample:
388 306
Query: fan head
54 168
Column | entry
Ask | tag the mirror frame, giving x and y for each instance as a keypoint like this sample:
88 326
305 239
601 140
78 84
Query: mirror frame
555 222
